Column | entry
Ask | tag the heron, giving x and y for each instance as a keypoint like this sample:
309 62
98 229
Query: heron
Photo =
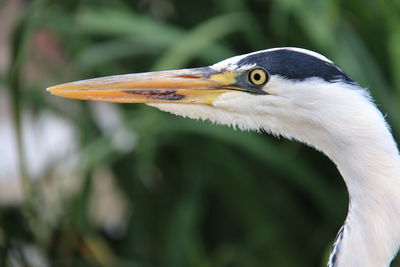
298 94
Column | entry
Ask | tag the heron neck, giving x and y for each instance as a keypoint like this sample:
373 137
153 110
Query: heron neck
370 166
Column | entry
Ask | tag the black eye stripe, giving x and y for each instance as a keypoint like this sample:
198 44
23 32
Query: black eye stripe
295 65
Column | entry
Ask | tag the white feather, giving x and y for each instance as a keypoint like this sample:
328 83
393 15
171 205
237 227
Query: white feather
340 120
230 63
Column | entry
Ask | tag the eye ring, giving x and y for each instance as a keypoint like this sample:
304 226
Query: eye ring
258 76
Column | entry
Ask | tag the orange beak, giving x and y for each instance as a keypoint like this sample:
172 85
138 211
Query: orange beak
196 86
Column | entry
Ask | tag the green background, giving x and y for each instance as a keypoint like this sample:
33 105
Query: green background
190 193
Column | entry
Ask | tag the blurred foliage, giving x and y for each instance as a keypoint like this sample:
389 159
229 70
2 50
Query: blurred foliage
197 194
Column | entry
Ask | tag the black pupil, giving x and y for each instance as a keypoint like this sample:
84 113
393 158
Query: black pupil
257 76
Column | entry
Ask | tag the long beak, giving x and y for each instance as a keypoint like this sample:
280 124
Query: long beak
197 86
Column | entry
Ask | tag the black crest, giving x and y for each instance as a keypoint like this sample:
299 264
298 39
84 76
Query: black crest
296 65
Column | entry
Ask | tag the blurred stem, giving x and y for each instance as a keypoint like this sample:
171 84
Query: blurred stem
20 42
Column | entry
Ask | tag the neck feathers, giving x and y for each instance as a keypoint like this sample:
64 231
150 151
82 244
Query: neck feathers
371 233
342 122
367 157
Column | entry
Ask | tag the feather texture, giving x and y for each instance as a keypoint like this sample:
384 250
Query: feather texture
339 119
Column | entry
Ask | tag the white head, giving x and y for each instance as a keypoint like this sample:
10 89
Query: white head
286 91
306 97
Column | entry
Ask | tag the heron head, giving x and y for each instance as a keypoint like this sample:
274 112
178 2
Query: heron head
276 90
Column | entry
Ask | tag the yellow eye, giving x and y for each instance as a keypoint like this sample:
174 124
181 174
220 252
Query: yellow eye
258 76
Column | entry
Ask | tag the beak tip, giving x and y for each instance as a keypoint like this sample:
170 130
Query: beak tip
53 89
